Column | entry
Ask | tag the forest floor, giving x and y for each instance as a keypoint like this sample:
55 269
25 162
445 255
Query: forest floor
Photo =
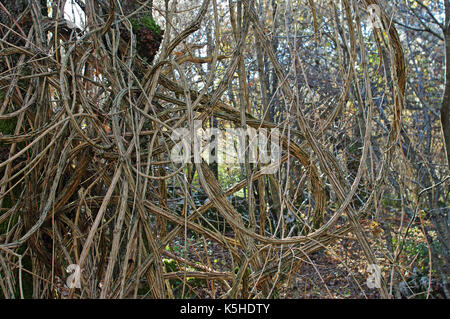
323 276
338 272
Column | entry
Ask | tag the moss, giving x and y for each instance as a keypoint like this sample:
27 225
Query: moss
135 24
8 126
148 36
170 265
145 21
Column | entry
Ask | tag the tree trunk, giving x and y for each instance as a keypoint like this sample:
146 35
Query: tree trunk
445 109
